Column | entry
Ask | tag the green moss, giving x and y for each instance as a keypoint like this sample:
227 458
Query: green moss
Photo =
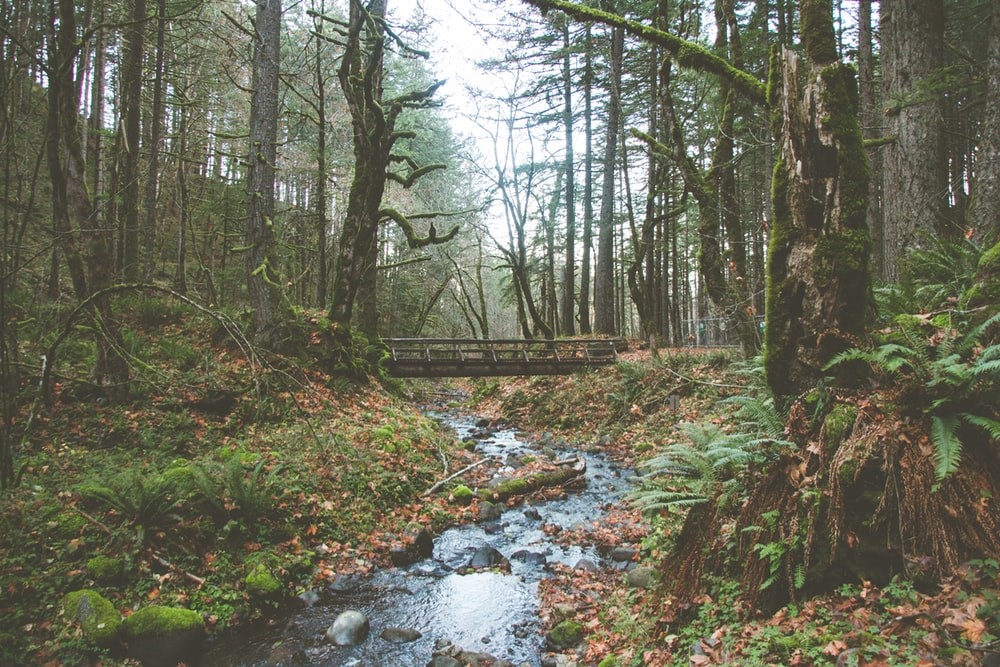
608 661
95 615
157 621
68 525
507 488
985 291
105 569
841 256
566 634
838 424
462 494
261 583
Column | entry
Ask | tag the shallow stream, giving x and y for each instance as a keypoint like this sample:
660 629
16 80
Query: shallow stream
487 612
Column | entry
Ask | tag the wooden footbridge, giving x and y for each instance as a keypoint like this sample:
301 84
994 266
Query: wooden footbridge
465 357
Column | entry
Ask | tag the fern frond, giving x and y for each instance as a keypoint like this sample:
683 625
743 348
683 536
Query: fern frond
991 426
947 445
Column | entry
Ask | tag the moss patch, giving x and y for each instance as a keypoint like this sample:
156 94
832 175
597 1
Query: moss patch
105 569
462 494
95 615
564 635
261 583
157 621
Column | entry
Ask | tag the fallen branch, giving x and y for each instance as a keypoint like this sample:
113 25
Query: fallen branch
162 562
571 471
453 476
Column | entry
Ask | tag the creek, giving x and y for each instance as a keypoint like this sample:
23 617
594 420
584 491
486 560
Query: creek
483 611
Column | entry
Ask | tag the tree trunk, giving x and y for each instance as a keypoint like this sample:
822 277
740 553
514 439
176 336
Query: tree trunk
568 315
155 137
263 278
588 184
131 112
914 169
871 128
818 274
322 270
604 285
984 210
73 212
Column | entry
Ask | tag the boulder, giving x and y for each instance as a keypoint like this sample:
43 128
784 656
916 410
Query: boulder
642 577
96 616
487 557
350 628
159 636
261 584
564 635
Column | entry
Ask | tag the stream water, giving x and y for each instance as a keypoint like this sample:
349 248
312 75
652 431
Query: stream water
487 612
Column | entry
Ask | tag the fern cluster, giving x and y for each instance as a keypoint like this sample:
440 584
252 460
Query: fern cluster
951 377
708 462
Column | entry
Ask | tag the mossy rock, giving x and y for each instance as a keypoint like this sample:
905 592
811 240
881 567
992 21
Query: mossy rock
261 583
94 614
462 494
564 635
160 636
608 661
105 569
158 620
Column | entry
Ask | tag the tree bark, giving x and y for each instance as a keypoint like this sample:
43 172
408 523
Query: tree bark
263 277
131 112
984 210
818 272
914 169
568 310
604 285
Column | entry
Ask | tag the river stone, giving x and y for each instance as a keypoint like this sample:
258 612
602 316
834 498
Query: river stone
444 661
531 557
532 514
585 565
488 557
641 577
400 635
489 511
623 554
348 629
419 538
564 635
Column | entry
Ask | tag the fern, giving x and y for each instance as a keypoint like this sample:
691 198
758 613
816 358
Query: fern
952 378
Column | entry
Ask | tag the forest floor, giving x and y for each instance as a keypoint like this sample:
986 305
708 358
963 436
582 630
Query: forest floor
218 469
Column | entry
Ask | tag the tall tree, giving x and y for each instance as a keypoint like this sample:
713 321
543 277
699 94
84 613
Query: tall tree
86 244
129 140
915 193
604 283
568 303
263 277
373 120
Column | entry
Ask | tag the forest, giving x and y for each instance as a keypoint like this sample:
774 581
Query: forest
214 212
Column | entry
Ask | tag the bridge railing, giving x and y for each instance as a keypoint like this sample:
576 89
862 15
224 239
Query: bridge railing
463 356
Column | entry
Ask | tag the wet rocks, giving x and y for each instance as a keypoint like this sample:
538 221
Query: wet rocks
486 557
350 628
490 511
586 565
447 654
416 544
530 557
400 635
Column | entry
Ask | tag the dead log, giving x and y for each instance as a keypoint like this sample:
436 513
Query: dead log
573 471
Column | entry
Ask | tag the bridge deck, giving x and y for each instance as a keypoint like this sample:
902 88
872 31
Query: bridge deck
465 357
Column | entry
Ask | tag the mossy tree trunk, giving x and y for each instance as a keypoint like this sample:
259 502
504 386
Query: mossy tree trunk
818 291
373 121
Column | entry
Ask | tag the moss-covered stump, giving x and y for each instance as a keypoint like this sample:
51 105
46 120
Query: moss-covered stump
164 636
564 635
94 614
519 486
